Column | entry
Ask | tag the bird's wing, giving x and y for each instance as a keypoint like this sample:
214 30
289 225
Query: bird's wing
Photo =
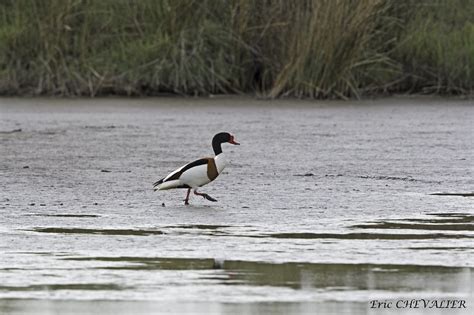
177 173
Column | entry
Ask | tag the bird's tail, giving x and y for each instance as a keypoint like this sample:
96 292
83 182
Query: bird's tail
156 185
169 184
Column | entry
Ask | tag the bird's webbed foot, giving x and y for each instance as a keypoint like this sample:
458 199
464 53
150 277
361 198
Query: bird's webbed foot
209 197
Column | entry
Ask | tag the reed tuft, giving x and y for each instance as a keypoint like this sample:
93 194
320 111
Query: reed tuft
308 48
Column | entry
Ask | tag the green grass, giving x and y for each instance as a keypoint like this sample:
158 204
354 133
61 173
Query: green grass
436 50
309 48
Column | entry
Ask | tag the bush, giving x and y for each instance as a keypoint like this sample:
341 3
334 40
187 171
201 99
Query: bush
307 48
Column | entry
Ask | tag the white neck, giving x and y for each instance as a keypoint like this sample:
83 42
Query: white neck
221 162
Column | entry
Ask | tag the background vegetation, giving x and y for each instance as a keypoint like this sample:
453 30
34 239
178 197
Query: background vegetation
307 48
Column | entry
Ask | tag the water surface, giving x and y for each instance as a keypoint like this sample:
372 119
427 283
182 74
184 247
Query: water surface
323 206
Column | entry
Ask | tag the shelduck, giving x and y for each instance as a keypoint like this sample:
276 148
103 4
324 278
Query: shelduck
199 172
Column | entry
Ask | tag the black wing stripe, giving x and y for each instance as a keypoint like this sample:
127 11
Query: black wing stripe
177 175
158 182
193 164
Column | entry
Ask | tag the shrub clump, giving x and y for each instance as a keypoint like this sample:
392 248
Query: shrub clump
308 48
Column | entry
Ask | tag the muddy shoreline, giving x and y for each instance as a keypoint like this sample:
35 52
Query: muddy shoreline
324 205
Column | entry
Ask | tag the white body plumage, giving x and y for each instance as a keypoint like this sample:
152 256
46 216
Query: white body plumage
194 177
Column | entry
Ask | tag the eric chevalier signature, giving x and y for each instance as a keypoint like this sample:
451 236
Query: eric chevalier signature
418 303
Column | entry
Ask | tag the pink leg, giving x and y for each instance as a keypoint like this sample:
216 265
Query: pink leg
186 201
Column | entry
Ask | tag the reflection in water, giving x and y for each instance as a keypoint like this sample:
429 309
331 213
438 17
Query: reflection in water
68 286
367 236
216 231
198 226
147 263
63 215
343 276
331 277
446 222
411 226
59 307
137 232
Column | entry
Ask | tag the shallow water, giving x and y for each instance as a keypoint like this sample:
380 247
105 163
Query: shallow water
323 206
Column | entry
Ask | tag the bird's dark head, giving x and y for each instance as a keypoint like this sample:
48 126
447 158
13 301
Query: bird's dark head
223 137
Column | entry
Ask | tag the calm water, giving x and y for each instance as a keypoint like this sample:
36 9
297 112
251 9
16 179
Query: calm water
324 206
